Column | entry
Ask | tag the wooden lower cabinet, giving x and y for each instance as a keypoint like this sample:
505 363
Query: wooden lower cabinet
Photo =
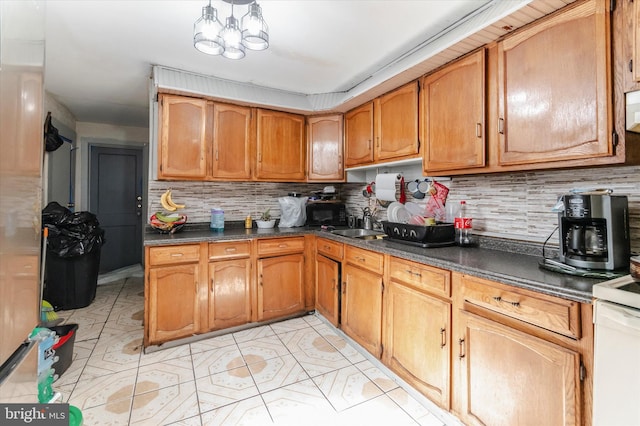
328 275
173 309
197 288
362 307
519 357
229 293
512 378
229 272
281 277
280 286
328 288
417 340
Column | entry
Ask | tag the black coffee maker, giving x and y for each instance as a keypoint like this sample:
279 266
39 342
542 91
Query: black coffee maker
594 231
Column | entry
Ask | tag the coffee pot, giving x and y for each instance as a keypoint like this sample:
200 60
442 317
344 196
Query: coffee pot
594 231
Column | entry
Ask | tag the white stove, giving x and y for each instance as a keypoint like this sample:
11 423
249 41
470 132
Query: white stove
624 291
616 376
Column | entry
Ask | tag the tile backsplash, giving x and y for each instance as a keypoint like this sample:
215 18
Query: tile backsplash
508 205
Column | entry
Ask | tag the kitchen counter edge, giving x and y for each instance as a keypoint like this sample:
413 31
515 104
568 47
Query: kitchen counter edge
507 267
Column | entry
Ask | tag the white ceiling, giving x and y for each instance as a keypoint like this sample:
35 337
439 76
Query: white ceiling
99 53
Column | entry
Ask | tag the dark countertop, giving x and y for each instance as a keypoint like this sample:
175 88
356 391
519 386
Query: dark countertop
498 262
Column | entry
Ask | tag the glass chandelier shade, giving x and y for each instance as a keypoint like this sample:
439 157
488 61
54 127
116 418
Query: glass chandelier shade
206 32
255 32
232 37
230 41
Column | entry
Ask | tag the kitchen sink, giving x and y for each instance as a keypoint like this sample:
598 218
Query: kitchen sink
364 234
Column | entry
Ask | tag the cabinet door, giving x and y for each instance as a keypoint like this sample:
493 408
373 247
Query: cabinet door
174 309
280 286
231 142
22 119
358 135
362 308
635 36
325 146
396 118
229 294
453 126
327 288
280 146
417 343
185 137
508 377
554 88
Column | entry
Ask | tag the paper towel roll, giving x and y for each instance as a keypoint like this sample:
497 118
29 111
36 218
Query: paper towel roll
386 186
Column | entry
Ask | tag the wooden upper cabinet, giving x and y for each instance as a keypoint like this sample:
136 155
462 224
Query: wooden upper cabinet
280 146
453 127
554 97
635 35
325 147
22 123
626 43
184 140
232 142
396 124
358 135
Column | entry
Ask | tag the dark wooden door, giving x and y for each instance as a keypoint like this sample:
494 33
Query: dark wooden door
116 198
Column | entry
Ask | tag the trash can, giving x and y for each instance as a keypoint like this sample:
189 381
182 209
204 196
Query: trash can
72 257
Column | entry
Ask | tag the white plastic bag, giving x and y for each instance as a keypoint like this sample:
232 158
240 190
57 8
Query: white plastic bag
293 211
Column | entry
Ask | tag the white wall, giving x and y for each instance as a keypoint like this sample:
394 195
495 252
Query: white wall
57 164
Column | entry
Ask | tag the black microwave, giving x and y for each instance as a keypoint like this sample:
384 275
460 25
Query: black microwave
326 213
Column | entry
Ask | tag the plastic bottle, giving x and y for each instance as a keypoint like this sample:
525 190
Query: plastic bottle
217 220
463 226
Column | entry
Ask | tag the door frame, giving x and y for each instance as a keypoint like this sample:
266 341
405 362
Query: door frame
84 184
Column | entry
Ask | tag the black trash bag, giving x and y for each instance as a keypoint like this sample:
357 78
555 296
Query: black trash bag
71 234
52 138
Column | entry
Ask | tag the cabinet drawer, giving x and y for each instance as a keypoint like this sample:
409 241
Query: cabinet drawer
276 246
422 277
332 249
229 249
174 254
366 259
552 313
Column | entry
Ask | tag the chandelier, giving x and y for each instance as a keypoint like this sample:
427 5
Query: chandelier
230 41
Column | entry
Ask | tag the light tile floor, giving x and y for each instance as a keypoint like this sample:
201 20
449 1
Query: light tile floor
295 372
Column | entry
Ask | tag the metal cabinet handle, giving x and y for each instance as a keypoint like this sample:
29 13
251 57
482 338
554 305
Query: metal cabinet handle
443 342
230 249
501 126
282 246
461 343
410 272
478 130
177 254
500 299
344 287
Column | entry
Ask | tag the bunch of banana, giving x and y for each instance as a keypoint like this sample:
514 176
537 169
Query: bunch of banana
167 202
